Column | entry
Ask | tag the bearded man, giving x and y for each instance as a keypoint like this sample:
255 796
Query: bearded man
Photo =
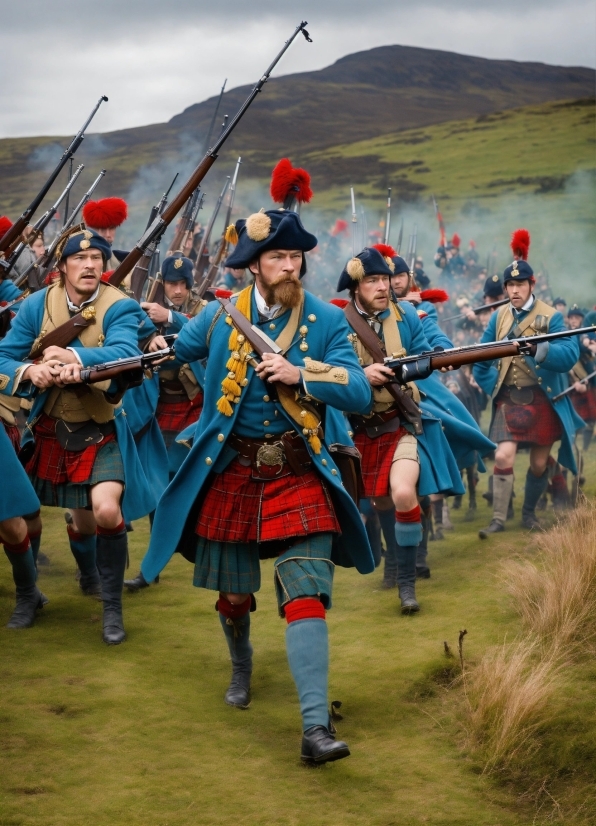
262 478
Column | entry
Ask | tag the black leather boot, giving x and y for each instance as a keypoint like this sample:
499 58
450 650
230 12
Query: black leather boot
320 746
29 597
112 552
237 634
138 583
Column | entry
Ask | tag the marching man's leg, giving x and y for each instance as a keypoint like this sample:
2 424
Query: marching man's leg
536 484
502 487
17 547
403 479
234 615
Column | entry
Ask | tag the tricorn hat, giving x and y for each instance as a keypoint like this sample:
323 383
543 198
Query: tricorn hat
368 262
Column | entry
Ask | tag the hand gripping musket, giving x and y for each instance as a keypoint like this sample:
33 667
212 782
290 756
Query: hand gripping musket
222 249
417 367
571 387
208 230
17 228
388 218
157 229
128 372
6 264
36 272
142 271
477 310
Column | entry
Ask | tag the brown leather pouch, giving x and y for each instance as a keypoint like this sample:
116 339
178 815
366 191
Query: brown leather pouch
77 436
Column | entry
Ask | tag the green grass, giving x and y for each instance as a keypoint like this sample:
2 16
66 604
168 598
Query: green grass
139 733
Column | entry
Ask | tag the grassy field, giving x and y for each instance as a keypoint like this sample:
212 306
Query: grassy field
139 733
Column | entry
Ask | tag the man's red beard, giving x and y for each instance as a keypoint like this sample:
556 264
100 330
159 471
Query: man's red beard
286 291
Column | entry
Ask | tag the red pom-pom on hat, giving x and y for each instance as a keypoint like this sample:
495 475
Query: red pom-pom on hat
456 240
340 227
285 178
520 243
108 212
219 293
5 225
434 296
386 250
340 302
473 244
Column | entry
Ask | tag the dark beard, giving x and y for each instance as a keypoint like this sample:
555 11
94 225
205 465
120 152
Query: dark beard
286 291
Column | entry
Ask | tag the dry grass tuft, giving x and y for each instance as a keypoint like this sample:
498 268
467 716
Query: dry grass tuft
556 595
510 689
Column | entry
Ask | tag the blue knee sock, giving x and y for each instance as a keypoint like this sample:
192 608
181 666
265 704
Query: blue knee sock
307 646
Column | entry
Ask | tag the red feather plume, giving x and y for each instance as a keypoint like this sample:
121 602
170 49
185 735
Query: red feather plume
386 250
456 240
108 212
5 225
340 227
285 177
340 302
520 243
434 296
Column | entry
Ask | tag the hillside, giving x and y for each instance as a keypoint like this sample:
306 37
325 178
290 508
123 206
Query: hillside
360 97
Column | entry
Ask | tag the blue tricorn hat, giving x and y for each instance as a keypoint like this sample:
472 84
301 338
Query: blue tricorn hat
368 262
493 287
399 264
518 271
178 268
275 229
79 239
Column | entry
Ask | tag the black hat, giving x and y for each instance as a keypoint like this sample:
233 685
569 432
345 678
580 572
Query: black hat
518 271
399 265
493 287
575 310
421 279
559 300
178 268
368 262
262 231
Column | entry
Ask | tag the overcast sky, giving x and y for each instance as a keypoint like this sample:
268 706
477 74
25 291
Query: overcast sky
153 58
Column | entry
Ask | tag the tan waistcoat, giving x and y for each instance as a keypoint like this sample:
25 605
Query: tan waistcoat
79 403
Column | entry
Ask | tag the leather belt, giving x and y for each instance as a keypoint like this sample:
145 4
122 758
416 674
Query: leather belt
269 457
377 424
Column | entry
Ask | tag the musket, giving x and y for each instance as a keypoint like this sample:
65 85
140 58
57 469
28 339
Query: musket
219 256
414 368
208 229
186 223
36 272
442 235
482 309
17 228
388 218
412 249
6 264
131 370
400 237
157 229
354 222
212 124
585 380
66 205
141 272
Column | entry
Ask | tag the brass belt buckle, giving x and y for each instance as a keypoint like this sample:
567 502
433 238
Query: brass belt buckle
271 455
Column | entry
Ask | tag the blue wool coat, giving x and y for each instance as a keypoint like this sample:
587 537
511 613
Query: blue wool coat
561 357
8 291
439 472
328 342
120 330
18 497
465 438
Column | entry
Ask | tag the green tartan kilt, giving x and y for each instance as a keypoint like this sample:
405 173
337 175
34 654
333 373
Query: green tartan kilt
108 467
305 569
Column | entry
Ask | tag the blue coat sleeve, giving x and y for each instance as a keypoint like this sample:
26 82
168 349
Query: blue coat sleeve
562 354
485 372
418 341
191 344
435 336
121 332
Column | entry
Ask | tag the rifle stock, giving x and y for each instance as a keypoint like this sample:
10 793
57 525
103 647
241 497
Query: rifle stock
122 367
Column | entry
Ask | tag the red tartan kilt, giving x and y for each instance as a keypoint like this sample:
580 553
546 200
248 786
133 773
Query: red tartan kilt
238 508
54 464
585 404
535 423
377 458
12 431
174 417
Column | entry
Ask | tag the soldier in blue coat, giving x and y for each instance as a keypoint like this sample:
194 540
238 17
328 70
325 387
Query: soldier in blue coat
522 388
82 455
262 478
402 460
